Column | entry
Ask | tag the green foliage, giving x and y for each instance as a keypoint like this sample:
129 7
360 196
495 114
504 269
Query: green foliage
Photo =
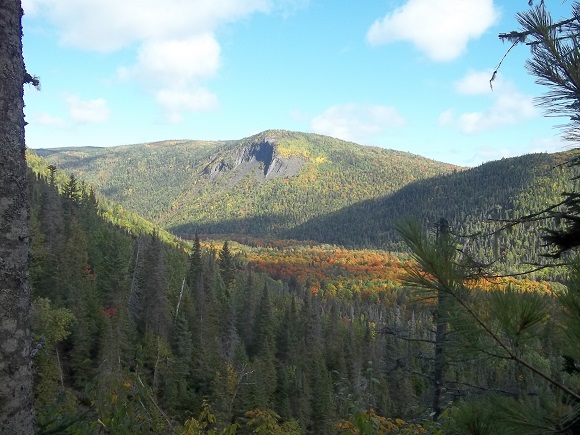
266 421
521 316
51 323
204 424
298 347
226 264
332 191
51 327
472 200
225 187
505 329
473 417
370 423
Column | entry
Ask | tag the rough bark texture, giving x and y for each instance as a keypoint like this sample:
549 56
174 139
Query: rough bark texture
16 396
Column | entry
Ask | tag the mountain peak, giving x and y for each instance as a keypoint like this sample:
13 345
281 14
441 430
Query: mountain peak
263 184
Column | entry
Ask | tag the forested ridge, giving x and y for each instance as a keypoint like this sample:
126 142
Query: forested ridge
261 185
133 335
136 335
474 201
289 185
135 330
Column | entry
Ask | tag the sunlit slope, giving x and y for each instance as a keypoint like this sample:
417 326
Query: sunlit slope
261 185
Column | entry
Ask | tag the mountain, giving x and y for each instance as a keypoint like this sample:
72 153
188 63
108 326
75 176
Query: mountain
134 335
310 187
473 201
262 185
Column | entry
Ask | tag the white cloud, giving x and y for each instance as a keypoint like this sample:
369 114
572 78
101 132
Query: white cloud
439 28
477 83
540 145
109 25
447 118
30 7
290 7
176 100
175 42
356 122
487 154
47 120
508 105
175 62
87 111
549 145
507 109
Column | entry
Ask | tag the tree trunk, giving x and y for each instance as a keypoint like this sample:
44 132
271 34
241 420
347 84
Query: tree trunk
16 396
441 318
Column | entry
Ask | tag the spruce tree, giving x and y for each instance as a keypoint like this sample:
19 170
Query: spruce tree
227 266
195 264
156 317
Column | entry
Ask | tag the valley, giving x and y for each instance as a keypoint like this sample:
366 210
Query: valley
267 286
290 185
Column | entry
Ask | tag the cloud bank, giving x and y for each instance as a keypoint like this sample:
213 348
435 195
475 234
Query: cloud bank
175 43
441 29
87 111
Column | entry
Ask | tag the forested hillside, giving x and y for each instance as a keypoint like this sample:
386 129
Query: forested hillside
134 335
290 185
135 330
261 185
473 201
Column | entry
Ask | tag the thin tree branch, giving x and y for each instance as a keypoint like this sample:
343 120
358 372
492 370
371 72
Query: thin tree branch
512 355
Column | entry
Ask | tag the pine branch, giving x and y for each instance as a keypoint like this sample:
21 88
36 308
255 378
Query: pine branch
437 272
511 354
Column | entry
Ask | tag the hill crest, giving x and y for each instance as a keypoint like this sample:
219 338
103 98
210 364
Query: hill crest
259 185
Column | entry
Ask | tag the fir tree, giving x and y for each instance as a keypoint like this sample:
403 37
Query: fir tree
227 267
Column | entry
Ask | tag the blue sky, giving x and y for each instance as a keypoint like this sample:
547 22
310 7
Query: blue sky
411 75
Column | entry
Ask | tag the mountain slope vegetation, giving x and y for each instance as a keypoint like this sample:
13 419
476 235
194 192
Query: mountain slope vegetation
132 335
474 201
290 185
261 185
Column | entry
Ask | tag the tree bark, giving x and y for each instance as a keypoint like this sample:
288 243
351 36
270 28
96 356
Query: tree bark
16 395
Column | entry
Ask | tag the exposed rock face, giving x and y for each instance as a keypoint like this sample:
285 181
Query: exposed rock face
260 157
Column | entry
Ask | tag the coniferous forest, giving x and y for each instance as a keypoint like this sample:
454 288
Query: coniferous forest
136 331
296 284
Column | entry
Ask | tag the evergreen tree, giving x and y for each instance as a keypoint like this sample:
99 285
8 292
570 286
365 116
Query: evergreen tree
195 264
155 303
246 301
264 326
505 327
227 266
72 190
179 395
554 62
51 327
263 352
51 226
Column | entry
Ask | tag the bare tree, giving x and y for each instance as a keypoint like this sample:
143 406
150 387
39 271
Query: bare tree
16 395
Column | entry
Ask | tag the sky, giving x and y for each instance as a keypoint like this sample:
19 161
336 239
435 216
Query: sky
410 75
